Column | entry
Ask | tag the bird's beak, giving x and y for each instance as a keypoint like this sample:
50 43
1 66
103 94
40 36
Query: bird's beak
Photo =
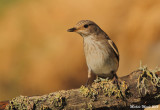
71 29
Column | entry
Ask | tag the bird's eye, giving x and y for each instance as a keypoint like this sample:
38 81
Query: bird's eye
85 26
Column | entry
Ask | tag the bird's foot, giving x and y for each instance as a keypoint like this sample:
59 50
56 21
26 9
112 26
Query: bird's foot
119 83
87 83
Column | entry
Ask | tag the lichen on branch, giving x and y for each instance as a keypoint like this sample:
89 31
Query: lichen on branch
141 87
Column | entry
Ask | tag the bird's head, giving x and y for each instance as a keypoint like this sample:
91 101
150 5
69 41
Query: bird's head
85 28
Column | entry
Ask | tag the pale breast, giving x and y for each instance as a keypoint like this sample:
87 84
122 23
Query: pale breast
99 56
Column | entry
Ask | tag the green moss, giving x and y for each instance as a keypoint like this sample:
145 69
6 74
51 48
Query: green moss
20 103
146 78
59 101
90 106
157 96
89 92
110 89
44 107
106 87
56 101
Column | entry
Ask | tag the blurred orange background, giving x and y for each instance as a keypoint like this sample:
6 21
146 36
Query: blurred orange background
38 55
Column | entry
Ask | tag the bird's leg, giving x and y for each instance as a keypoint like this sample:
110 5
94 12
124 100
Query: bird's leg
96 77
91 77
117 82
89 73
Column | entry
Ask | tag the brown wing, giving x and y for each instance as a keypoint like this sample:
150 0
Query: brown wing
114 47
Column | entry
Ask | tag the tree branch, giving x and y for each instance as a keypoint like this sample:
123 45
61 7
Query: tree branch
138 89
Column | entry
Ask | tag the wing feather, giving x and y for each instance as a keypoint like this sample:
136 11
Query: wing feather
114 47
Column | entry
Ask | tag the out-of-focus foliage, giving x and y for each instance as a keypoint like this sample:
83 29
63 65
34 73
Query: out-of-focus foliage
6 4
38 55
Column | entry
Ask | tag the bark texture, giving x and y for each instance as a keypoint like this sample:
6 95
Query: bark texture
138 89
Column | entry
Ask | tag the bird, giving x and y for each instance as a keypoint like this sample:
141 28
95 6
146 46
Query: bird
101 53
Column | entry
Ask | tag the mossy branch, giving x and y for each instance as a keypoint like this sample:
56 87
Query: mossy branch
141 87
